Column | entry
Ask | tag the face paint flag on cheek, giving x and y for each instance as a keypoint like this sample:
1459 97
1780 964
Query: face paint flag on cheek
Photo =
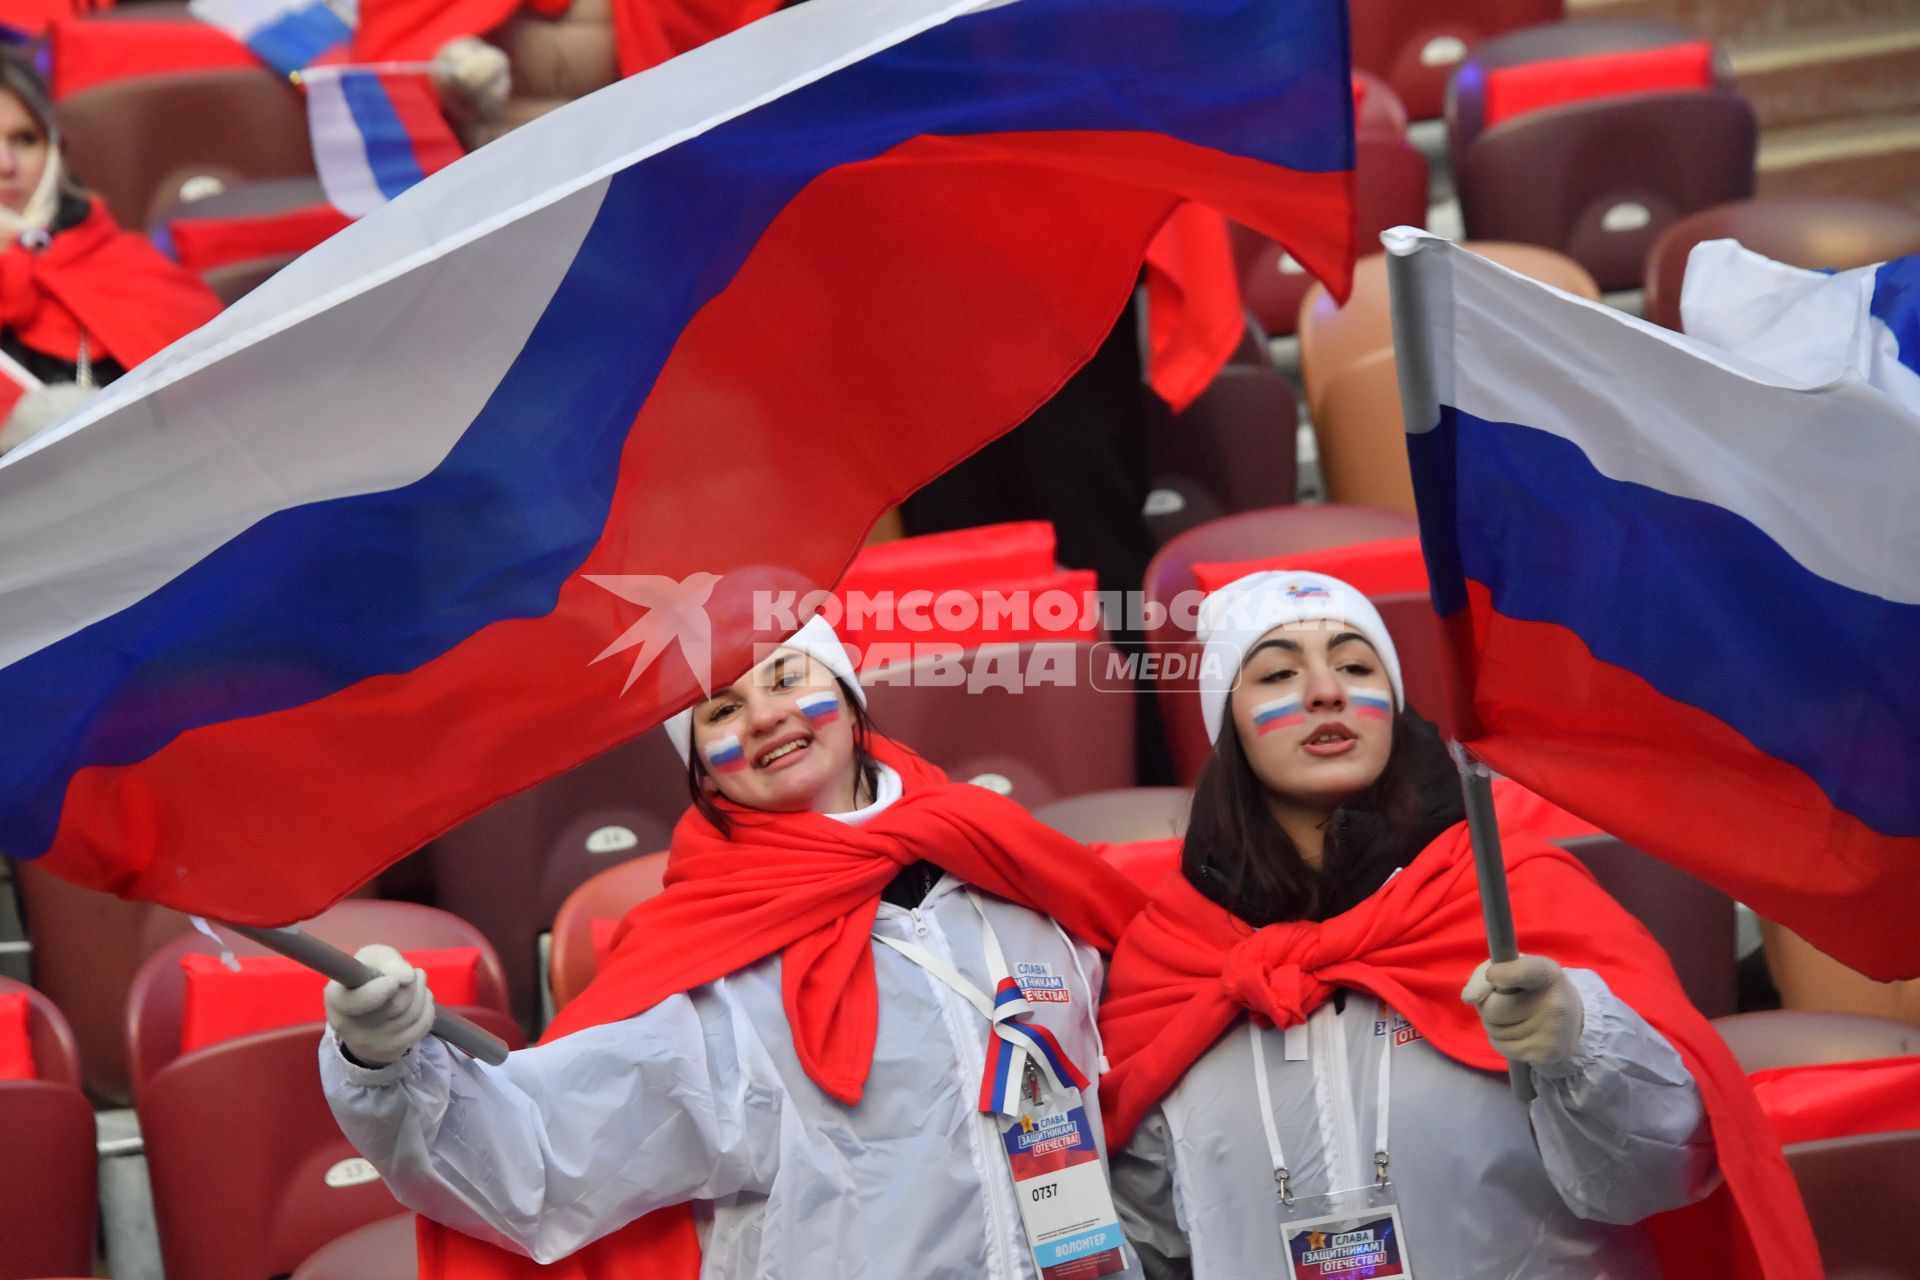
1281 713
821 707
724 755
1371 704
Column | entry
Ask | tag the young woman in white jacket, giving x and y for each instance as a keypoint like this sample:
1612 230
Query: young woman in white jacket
812 1054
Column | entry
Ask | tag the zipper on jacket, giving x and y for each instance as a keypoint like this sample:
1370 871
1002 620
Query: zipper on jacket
1346 1120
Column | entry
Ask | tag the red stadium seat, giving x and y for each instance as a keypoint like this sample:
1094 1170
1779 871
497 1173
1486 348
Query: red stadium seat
157 1001
87 946
1690 918
1593 137
138 142
1117 817
584 924
1069 732
383 1250
508 869
1832 233
1416 44
1272 532
49 1178
1863 1196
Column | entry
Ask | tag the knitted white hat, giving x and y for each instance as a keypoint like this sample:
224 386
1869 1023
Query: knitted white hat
1233 619
817 640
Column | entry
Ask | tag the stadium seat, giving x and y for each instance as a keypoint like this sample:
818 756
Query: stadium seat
1817 232
49 1176
383 1250
1390 190
157 1002
1233 449
1070 732
138 143
1416 44
86 947
1688 917
1332 337
585 921
1593 137
1801 1037
1808 978
1274 531
1115 817
1863 1196
1362 437
508 869
236 238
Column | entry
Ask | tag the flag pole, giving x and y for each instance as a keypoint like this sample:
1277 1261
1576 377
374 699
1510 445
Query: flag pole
457 1031
1410 277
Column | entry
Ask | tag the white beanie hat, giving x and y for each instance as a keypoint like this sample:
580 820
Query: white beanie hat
1233 619
817 640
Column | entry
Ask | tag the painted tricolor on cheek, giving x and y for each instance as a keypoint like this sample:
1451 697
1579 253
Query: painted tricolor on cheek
1371 704
821 706
724 754
1281 713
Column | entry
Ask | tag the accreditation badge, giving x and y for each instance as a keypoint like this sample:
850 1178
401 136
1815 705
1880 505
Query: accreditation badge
1350 1246
1065 1204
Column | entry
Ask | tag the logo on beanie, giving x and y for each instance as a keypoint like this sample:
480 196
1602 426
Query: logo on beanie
1306 591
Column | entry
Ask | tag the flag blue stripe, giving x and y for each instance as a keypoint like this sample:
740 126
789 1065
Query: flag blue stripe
1896 304
314 599
389 147
299 38
1695 600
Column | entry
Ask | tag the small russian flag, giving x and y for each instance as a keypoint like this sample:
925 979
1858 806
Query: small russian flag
377 130
724 755
1281 713
287 35
821 706
1371 704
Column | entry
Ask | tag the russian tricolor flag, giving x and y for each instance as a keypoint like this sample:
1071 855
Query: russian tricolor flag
333 572
1683 589
287 35
376 132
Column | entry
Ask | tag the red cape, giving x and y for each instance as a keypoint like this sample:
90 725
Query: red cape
647 32
804 887
130 300
1187 969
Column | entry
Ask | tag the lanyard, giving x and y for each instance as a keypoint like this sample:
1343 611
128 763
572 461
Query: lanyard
1014 1044
1282 1177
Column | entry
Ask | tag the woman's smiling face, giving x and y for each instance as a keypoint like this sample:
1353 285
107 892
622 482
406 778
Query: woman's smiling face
780 738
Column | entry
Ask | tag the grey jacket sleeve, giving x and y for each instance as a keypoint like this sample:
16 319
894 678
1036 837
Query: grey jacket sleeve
1144 1195
568 1141
1621 1127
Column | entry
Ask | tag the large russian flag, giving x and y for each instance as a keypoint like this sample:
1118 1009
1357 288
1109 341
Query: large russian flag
445 506
1683 589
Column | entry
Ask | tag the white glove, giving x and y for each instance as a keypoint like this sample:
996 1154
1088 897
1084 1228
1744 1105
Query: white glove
380 1021
1530 1009
473 74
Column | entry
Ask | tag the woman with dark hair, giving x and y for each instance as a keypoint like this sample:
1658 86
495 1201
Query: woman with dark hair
853 1036
81 301
1302 1087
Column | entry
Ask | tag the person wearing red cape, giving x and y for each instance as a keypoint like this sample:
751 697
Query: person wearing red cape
81 301
1310 1050
790 1064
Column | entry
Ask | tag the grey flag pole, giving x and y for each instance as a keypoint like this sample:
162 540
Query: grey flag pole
457 1031
1413 271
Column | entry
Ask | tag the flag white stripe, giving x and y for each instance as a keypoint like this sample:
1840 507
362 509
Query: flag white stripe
339 149
200 451
1825 471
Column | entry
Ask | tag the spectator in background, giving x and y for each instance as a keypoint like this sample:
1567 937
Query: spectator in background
81 300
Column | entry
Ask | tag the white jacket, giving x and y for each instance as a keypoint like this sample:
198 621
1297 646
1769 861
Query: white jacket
702 1099
1619 1135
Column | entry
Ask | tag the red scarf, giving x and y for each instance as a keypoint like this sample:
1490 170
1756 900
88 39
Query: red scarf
1188 968
129 299
804 887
